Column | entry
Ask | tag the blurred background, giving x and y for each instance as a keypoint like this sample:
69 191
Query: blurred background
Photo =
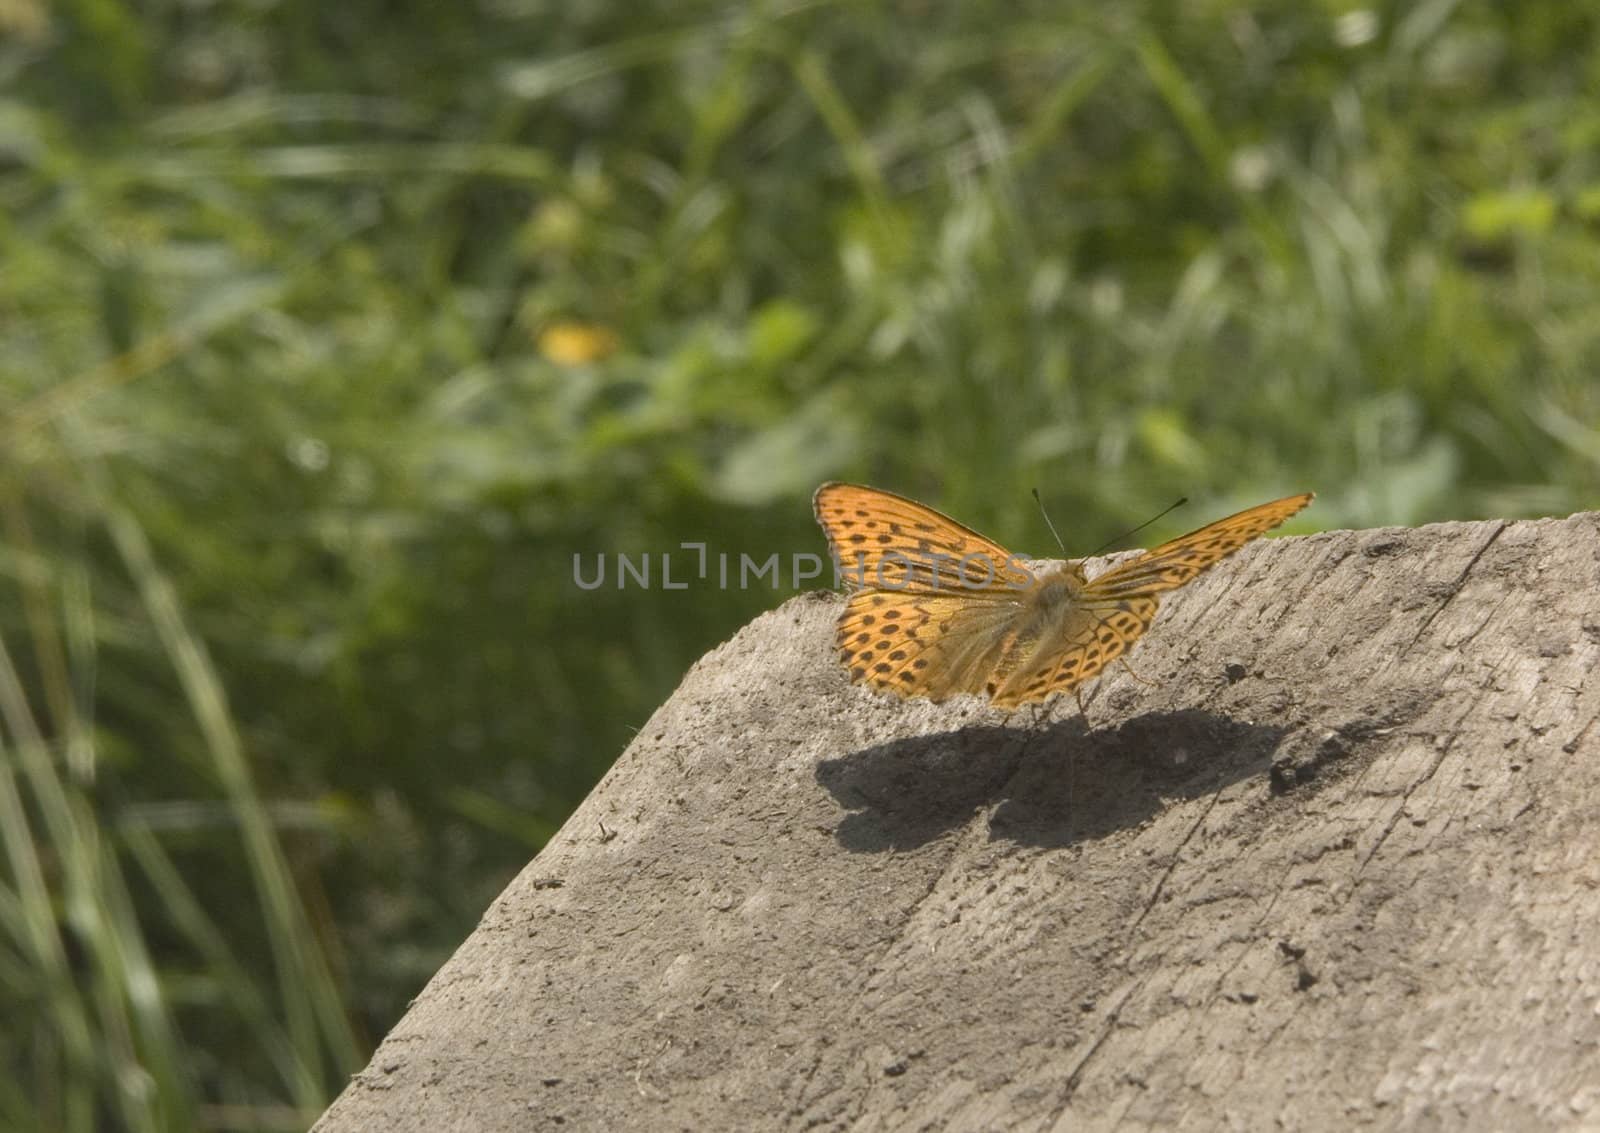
329 333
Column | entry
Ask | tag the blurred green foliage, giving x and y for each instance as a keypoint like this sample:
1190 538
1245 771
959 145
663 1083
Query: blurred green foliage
332 332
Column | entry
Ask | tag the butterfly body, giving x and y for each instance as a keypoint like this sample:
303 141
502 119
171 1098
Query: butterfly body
1055 588
937 609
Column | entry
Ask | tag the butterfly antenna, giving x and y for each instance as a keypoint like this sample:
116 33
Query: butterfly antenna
1040 501
1178 503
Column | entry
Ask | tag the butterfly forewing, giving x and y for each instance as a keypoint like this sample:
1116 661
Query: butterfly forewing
1172 564
887 542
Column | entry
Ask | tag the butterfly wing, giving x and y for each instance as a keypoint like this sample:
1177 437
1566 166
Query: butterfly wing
1089 638
922 644
1172 564
886 542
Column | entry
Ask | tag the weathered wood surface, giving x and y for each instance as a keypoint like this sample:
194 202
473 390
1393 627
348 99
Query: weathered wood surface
1339 866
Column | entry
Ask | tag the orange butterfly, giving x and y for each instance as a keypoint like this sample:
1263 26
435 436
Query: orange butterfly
938 609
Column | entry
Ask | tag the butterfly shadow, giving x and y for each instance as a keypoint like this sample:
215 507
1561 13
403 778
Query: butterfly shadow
1053 786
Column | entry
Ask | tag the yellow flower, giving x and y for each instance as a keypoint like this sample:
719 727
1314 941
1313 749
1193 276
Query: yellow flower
576 344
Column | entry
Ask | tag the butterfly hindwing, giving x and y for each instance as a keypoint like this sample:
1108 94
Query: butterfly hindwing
1089 638
920 644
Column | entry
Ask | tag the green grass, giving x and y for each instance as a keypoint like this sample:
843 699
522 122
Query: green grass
294 673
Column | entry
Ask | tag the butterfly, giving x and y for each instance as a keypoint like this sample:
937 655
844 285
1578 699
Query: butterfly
937 609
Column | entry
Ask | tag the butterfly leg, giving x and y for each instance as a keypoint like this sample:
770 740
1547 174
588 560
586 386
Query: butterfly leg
1133 674
1040 712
